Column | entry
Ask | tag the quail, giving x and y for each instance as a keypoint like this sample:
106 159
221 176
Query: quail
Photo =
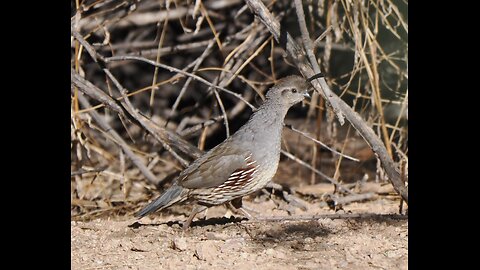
242 164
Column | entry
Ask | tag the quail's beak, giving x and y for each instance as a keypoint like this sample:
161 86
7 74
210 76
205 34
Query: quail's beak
305 94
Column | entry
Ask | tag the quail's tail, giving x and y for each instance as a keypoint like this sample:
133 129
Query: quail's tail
172 195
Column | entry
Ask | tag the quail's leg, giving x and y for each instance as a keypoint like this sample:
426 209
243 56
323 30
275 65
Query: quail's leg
236 205
197 209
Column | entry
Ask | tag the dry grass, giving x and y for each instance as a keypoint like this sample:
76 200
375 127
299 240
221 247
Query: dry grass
361 45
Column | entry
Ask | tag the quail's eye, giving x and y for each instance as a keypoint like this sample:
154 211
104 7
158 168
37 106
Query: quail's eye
294 90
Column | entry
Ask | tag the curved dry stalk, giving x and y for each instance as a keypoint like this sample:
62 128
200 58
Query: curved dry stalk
224 113
173 69
306 135
155 73
249 59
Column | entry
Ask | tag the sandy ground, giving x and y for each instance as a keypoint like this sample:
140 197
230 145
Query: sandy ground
221 240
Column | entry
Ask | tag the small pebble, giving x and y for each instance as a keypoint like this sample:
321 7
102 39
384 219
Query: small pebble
180 244
206 251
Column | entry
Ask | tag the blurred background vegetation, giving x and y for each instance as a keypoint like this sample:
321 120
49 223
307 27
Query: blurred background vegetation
362 47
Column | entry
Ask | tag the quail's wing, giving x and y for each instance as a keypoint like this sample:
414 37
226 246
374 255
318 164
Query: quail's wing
211 171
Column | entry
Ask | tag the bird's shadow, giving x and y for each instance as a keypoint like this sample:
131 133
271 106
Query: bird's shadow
197 223
280 231
284 232
289 231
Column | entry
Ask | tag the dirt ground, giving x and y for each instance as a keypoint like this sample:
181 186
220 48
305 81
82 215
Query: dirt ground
222 240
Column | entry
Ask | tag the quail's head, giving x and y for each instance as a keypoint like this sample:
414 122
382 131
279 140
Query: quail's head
289 91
